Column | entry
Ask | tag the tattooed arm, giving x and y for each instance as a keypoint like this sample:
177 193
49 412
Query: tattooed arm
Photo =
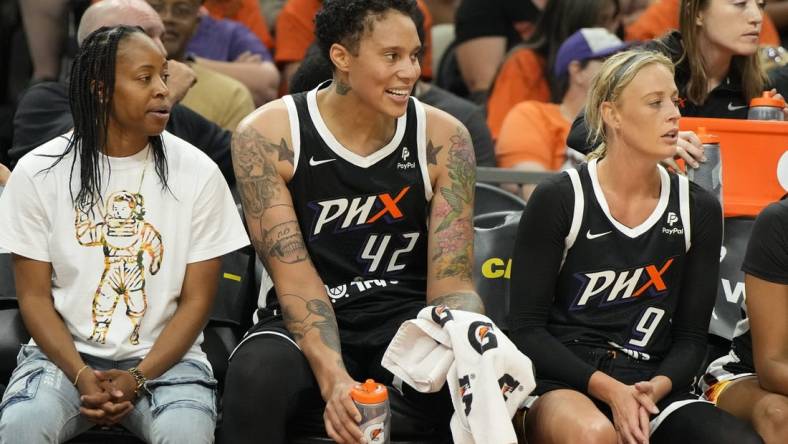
263 162
453 174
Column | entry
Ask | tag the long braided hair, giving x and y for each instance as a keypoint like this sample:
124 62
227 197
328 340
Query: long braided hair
91 89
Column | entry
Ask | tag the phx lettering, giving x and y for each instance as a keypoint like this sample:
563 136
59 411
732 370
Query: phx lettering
614 286
357 211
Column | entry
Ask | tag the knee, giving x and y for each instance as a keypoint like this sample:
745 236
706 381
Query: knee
597 431
182 425
23 424
263 367
592 430
770 416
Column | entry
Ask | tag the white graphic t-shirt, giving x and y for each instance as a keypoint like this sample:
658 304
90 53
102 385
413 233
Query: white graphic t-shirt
118 269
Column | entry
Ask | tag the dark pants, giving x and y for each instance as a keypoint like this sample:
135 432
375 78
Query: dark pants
271 394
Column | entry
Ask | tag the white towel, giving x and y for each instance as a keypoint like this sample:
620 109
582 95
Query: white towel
488 377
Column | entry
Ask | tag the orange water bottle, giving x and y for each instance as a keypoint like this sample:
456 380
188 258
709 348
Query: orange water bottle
372 401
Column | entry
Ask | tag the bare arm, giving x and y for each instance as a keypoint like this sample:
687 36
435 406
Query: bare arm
261 164
5 173
479 60
769 328
450 244
262 78
194 307
34 293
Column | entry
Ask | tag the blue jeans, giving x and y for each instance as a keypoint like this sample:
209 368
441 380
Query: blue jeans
41 405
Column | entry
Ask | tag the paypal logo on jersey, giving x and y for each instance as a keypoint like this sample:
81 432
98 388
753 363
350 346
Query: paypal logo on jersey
671 220
357 211
614 286
404 165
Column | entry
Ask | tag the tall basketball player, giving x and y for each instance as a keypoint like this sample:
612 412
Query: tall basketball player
614 278
359 202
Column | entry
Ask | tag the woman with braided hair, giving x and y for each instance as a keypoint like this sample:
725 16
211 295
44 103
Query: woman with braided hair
116 330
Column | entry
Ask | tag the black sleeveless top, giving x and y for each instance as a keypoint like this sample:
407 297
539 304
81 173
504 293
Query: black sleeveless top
364 220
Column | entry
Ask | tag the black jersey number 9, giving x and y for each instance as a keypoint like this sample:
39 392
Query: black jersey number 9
377 246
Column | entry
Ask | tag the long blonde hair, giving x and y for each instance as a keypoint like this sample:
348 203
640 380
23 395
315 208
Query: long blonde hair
616 73
753 77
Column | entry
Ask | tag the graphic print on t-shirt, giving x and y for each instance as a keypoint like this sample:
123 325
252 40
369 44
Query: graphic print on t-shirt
125 237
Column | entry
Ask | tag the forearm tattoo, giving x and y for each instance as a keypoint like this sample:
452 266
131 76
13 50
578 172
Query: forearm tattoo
461 300
453 251
304 315
285 243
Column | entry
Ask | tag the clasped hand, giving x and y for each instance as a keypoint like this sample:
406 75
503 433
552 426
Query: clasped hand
631 406
106 396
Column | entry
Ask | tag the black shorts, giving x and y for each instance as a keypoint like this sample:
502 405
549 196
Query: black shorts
623 368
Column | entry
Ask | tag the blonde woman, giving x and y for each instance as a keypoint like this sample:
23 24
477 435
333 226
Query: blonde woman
614 278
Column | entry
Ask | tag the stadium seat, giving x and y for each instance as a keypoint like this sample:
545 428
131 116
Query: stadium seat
730 291
490 199
494 238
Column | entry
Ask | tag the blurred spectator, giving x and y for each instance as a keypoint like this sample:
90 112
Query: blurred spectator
442 11
217 97
777 10
533 135
226 40
295 31
46 22
484 32
525 75
270 10
44 112
181 19
315 69
246 12
663 16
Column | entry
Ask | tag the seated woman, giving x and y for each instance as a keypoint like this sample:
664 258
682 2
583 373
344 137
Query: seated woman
718 70
526 73
614 277
752 381
533 135
116 231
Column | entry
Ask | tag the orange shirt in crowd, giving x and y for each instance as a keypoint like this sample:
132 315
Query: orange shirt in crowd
520 78
295 32
246 12
533 132
663 15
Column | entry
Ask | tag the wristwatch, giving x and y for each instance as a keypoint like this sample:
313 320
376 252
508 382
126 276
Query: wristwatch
139 378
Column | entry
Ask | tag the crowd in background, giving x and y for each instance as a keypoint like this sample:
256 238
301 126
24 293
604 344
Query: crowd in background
497 66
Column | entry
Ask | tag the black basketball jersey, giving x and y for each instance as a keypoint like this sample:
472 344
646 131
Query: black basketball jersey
766 259
617 285
364 219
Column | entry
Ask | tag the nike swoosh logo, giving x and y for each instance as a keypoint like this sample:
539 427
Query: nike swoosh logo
313 162
594 236
734 108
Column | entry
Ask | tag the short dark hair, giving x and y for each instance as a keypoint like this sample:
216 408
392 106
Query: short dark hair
345 21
